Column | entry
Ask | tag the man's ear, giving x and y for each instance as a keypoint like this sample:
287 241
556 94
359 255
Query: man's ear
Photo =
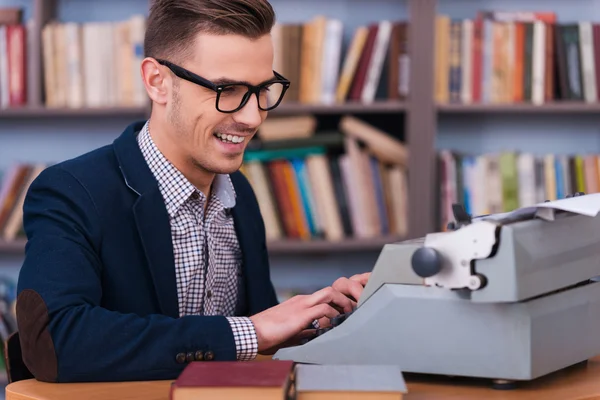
157 80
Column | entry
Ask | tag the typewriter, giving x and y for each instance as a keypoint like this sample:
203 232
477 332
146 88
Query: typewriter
509 297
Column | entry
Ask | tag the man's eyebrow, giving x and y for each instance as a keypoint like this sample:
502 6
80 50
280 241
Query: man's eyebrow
228 81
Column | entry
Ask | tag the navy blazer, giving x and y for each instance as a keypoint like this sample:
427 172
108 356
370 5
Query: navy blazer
97 298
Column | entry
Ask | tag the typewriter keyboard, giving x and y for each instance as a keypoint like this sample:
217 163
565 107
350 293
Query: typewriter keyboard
335 321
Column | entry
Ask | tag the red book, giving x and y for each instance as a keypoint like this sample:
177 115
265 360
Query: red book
232 380
596 41
363 64
477 59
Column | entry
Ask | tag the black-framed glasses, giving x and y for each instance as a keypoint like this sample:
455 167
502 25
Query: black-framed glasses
231 97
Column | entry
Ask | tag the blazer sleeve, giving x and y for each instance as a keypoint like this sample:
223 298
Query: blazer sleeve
65 334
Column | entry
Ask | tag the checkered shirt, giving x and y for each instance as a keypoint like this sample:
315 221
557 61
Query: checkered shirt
205 246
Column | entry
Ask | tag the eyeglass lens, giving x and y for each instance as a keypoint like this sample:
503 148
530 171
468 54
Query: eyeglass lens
232 96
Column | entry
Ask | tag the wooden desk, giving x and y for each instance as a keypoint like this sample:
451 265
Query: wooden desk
580 382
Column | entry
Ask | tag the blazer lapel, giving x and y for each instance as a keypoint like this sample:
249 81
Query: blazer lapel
245 234
151 218
155 232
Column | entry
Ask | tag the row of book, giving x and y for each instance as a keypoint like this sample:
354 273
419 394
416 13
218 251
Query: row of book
349 182
94 64
310 54
85 65
504 181
516 57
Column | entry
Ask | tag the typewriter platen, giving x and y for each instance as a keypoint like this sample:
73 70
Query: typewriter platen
507 297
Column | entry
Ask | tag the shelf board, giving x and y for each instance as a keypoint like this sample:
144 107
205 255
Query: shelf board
284 109
277 247
323 246
383 106
566 107
48 112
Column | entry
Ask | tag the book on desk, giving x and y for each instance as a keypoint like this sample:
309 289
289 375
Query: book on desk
286 380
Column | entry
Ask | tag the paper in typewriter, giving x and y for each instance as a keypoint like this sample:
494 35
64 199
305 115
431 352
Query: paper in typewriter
588 204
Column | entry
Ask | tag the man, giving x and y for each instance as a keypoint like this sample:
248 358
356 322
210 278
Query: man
149 253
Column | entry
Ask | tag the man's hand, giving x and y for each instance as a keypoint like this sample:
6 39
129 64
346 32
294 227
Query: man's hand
350 287
285 321
293 341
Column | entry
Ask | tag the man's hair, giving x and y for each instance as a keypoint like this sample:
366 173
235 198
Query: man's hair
173 24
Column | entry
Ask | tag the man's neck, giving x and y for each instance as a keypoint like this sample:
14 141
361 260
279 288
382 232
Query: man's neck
198 177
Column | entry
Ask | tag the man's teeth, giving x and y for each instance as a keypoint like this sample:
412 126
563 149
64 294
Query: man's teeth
230 138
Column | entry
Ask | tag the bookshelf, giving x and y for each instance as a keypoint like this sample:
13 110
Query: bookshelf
421 118
526 107
44 11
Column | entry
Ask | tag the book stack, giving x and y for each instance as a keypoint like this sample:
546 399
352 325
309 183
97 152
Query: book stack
329 185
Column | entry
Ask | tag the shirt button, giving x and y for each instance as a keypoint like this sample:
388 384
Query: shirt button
195 196
209 293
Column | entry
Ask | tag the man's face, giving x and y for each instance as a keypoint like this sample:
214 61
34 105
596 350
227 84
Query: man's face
205 137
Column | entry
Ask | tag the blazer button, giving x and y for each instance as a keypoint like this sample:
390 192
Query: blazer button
180 358
199 356
189 357
209 355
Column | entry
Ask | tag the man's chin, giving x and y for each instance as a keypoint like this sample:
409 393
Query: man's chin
227 166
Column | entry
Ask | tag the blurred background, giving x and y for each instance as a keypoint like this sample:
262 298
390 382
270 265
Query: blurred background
398 108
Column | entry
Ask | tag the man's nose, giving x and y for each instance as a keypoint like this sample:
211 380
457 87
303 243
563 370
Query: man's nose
250 115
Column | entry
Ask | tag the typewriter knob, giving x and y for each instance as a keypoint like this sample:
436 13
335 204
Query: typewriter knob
426 262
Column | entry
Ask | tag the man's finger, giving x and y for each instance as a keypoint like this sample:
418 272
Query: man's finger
305 334
332 297
348 287
361 278
324 323
322 310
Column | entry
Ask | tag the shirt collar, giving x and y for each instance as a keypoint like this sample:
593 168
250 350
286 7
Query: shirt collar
173 185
